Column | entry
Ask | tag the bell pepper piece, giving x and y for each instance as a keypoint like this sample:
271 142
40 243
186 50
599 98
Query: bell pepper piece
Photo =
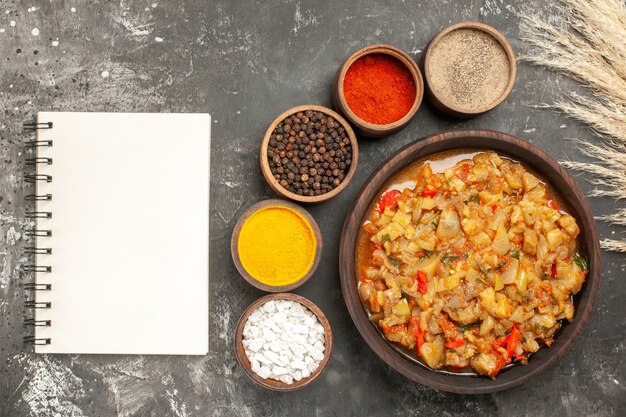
455 343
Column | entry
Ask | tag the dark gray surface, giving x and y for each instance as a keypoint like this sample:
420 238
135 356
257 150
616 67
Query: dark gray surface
245 63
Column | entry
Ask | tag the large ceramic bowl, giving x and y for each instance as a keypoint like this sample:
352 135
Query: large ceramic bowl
543 165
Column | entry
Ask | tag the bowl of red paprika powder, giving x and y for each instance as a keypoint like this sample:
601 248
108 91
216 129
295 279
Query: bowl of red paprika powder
378 89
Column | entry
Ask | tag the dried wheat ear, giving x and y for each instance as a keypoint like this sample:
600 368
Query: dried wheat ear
590 48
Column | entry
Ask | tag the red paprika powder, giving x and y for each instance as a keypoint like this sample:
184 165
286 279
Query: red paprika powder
379 89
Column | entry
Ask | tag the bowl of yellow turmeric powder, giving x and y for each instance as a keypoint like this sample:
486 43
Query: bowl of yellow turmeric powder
276 245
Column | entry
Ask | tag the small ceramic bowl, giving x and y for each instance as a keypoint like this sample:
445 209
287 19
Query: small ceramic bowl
234 250
438 98
272 383
267 172
370 129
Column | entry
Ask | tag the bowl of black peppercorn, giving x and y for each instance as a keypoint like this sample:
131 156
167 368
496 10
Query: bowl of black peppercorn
309 154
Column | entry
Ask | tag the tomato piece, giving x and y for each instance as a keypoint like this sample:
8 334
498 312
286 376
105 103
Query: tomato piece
456 343
445 323
422 284
509 342
512 340
389 199
553 271
499 343
494 208
500 362
552 205
428 192
417 333
363 279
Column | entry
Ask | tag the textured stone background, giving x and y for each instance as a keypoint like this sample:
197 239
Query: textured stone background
244 63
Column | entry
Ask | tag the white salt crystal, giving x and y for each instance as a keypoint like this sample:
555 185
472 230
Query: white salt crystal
317 354
268 334
274 358
279 370
269 307
261 358
287 379
300 338
264 372
254 317
298 350
255 345
300 328
298 364
277 346
284 341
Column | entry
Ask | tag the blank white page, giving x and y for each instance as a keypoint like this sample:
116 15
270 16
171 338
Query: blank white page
130 233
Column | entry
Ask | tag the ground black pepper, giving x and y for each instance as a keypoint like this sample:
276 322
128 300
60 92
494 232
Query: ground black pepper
309 153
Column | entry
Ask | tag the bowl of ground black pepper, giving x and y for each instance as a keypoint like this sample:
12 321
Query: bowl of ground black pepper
309 154
469 69
378 89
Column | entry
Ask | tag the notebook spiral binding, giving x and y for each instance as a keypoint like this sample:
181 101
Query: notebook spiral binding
34 250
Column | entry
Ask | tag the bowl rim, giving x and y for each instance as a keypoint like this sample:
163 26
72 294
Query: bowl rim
272 384
499 37
234 240
267 173
407 61
507 145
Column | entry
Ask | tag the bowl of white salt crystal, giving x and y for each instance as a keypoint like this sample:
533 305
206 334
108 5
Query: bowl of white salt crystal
283 341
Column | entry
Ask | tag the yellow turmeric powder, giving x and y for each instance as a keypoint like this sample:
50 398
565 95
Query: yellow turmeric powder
276 246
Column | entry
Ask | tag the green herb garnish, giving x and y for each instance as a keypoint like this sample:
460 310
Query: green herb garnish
394 262
474 198
514 253
428 254
435 224
448 258
581 262
523 339
386 238
463 328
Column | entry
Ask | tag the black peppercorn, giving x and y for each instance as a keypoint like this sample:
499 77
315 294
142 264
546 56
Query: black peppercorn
309 153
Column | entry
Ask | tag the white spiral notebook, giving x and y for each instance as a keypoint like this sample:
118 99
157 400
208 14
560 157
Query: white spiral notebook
121 234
